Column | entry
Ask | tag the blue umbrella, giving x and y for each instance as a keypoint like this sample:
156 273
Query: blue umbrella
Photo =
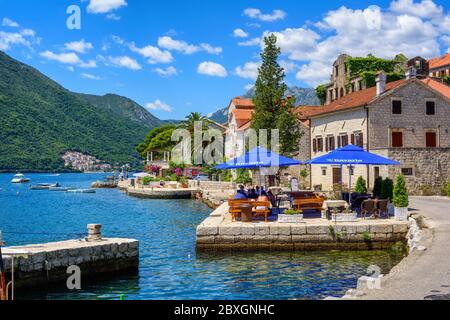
351 155
258 158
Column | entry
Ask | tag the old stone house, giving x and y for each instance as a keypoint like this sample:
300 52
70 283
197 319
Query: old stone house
440 67
406 120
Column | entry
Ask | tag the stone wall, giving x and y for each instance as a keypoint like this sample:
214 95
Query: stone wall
48 263
212 185
431 169
413 121
216 233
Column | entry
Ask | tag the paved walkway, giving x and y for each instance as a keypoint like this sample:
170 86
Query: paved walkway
423 274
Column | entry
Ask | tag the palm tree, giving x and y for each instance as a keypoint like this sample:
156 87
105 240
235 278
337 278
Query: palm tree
189 122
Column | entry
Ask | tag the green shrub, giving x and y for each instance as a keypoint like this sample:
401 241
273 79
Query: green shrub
377 187
146 181
447 190
387 189
361 186
243 177
293 212
400 198
426 190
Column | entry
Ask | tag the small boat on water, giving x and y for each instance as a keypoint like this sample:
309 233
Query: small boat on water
60 189
20 178
82 191
44 186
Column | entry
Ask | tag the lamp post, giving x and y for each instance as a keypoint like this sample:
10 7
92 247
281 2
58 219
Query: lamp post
2 273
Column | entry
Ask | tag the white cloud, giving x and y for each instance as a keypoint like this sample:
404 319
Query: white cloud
66 58
69 58
125 62
239 33
79 46
422 9
90 76
210 49
251 42
167 42
158 105
212 69
154 54
288 66
257 14
6 22
358 32
167 72
105 6
113 16
9 39
248 71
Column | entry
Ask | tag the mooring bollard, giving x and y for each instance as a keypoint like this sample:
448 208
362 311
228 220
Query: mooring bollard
94 232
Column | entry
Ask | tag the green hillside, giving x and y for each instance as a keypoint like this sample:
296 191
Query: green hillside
40 120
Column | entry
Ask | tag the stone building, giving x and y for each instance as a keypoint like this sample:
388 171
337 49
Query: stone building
406 120
337 87
440 67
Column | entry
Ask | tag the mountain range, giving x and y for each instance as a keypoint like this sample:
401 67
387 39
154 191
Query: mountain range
303 96
41 120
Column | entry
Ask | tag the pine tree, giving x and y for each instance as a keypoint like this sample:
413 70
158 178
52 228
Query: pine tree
272 111
400 198
361 186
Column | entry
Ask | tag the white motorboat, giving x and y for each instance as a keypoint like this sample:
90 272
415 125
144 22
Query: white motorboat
20 178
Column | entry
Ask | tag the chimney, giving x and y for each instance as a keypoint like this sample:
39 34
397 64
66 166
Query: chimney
411 72
381 82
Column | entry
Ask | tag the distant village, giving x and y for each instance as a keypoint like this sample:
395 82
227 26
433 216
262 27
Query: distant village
84 163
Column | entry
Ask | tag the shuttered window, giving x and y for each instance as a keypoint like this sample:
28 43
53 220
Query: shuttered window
397 107
315 145
431 139
397 139
353 139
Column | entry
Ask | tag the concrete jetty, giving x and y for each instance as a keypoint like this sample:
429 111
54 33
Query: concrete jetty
43 264
219 233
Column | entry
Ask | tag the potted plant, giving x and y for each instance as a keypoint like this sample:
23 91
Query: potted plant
184 182
347 215
400 199
291 216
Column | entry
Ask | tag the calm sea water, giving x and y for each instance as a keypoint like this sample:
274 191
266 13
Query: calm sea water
169 267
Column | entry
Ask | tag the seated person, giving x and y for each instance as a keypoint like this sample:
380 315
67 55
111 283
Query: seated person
240 195
252 194
263 198
271 197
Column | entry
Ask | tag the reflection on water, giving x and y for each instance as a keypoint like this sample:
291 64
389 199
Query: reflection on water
169 267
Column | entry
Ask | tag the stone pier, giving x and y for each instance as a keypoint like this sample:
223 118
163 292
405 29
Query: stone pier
218 232
43 264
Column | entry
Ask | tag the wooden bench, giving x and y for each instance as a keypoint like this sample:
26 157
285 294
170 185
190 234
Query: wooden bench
259 208
308 201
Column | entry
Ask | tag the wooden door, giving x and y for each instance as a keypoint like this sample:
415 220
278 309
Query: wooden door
337 177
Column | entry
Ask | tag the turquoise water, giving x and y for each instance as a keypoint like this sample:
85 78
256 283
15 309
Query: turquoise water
169 267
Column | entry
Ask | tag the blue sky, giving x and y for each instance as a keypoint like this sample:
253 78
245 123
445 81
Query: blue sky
174 57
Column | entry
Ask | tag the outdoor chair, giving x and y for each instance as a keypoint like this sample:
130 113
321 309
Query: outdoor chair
235 209
382 208
368 206
262 208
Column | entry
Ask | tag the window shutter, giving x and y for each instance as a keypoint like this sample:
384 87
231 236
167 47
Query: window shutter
315 145
333 143
353 139
361 140
397 139
327 148
339 141
431 140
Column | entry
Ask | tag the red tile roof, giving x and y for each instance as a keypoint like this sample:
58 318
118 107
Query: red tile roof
352 100
440 62
241 103
242 116
438 86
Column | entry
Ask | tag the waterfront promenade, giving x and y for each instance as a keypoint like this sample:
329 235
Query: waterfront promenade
424 274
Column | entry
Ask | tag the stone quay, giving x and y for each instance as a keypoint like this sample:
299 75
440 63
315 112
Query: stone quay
219 233
43 264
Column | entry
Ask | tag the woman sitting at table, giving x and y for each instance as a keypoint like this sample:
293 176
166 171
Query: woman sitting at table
252 194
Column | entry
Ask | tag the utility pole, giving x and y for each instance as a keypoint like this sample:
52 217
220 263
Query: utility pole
2 273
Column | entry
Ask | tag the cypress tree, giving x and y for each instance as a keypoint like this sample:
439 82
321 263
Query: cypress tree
361 186
272 111
400 198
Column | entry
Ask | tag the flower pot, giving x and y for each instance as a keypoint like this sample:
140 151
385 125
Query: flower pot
344 217
401 214
290 218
